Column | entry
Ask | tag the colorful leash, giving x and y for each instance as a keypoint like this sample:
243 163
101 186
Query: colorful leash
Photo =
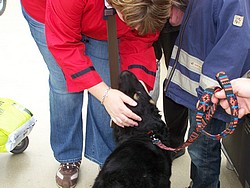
203 118
205 111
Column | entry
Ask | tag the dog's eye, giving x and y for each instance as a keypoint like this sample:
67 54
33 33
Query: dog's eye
136 96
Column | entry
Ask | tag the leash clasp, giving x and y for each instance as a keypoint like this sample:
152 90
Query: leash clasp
153 137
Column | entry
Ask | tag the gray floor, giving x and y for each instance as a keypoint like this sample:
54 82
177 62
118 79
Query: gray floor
23 77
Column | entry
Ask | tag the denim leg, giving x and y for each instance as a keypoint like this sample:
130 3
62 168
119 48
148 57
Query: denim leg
205 155
65 108
99 141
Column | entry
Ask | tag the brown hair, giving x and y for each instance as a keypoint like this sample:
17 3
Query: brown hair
181 4
148 16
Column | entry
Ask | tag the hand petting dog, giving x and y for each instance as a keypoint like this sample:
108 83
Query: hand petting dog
119 112
115 102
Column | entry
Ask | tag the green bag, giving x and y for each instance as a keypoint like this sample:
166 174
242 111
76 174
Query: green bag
16 122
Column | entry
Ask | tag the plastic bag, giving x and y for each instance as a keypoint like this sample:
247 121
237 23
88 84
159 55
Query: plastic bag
16 122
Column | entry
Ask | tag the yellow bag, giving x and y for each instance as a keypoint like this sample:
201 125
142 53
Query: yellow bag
16 122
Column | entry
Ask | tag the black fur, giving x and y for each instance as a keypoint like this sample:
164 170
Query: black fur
137 162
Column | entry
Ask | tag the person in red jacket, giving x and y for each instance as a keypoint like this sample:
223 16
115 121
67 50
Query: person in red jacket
72 38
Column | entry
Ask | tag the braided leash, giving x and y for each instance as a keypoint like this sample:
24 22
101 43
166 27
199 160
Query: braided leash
201 116
205 111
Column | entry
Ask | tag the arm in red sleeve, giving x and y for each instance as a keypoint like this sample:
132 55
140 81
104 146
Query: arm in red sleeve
63 34
137 55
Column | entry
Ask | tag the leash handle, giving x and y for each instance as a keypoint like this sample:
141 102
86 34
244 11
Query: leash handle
206 108
205 112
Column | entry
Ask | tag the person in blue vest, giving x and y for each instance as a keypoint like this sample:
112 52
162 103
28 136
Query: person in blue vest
214 36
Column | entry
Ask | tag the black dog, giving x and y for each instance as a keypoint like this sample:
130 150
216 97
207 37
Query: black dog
137 162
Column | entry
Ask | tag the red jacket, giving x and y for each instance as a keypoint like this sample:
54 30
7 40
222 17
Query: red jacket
67 20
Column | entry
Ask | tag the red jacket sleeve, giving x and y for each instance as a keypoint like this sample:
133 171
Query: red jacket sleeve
63 34
67 20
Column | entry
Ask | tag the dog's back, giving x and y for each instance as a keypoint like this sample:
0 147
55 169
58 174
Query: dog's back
136 162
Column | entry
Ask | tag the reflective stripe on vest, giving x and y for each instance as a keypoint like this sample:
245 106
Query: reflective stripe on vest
193 64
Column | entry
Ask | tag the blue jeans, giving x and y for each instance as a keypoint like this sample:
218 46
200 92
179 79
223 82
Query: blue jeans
205 155
66 136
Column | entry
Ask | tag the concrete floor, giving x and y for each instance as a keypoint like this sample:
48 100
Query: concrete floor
23 78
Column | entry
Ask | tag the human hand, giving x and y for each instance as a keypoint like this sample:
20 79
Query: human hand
115 105
242 91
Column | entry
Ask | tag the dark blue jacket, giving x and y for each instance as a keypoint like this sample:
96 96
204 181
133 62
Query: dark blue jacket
214 37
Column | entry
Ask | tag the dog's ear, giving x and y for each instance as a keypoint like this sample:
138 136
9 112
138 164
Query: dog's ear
129 84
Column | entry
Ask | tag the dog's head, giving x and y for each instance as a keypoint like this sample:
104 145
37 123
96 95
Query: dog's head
131 86
145 108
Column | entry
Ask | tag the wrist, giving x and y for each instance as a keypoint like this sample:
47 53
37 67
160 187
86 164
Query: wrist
105 95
